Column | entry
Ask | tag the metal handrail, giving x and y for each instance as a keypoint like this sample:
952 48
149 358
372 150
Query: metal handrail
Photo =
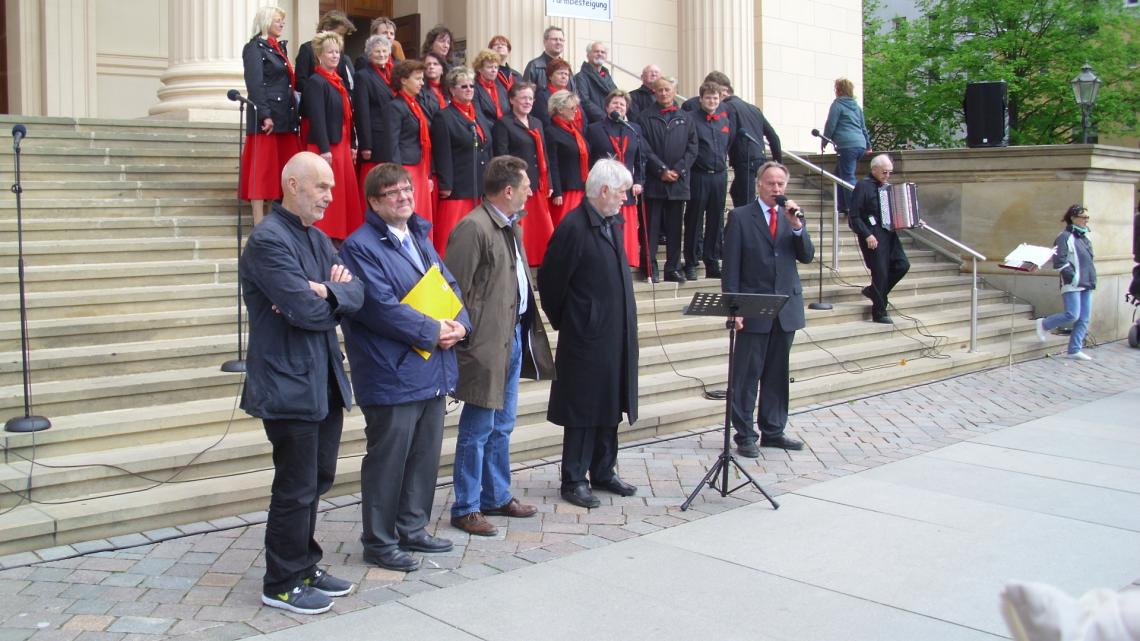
974 255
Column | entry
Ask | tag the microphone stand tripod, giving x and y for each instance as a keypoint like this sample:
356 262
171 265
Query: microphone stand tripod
26 423
237 365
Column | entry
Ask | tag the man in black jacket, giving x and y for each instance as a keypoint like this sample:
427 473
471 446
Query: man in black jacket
296 289
746 153
594 81
553 44
882 252
715 130
642 98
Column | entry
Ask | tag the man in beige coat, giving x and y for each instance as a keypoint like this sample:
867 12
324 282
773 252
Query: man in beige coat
485 254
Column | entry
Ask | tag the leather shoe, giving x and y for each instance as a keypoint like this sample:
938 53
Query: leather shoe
424 542
748 450
691 273
885 320
782 442
866 291
513 509
712 270
615 486
581 496
474 523
394 559
674 276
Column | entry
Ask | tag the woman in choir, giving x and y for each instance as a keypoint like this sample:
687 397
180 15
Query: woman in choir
370 104
438 41
339 23
328 112
622 141
507 75
408 128
490 92
518 133
433 97
567 138
558 79
271 128
461 147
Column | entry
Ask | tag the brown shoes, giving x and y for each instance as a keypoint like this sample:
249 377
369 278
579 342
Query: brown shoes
474 523
514 509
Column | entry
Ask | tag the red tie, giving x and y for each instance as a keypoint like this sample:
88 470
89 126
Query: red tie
772 222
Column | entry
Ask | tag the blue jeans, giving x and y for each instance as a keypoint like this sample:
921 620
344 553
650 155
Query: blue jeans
1078 306
482 469
845 163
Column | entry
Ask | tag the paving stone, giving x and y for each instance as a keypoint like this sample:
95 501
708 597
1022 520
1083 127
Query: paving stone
225 614
92 622
217 579
124 580
141 625
55 553
89 606
54 635
152 566
162 534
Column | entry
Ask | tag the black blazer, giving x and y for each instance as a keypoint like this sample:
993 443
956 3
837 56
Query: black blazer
749 118
563 145
403 133
640 101
671 143
541 108
306 64
269 87
324 109
429 102
486 105
598 140
457 163
370 104
755 264
509 136
713 138
593 87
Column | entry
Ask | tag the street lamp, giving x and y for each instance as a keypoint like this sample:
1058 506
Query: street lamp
1085 88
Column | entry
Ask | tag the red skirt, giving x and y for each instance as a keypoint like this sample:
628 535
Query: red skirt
345 213
537 228
365 167
631 231
447 214
570 199
423 193
262 159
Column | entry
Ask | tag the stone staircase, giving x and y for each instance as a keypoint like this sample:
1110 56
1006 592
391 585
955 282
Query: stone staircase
129 245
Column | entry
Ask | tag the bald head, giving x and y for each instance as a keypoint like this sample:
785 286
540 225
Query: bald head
650 74
306 186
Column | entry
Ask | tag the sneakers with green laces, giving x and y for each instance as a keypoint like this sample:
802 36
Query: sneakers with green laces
303 599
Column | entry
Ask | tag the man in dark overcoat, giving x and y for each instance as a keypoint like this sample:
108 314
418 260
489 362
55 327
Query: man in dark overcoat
762 242
587 294
296 289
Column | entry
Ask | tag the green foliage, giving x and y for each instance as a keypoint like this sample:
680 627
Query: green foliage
915 75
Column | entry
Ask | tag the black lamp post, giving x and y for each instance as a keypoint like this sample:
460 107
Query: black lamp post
1085 88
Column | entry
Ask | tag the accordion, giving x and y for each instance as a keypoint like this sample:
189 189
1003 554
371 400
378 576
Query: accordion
901 206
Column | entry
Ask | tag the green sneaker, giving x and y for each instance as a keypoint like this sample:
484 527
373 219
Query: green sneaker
303 599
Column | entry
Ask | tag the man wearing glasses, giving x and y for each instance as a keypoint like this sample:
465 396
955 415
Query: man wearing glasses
882 252
401 394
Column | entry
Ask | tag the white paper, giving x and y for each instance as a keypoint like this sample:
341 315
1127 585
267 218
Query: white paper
1026 253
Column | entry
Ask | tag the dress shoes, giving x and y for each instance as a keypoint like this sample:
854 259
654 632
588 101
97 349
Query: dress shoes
581 496
884 320
712 270
513 509
691 273
474 523
675 276
424 542
782 442
866 291
748 450
615 486
394 559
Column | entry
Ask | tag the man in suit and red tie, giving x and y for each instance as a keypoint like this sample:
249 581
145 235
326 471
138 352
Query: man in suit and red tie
762 242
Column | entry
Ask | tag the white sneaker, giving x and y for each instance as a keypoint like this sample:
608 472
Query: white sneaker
1079 356
1040 327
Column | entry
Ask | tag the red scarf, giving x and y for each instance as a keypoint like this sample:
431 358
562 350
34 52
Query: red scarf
669 110
468 112
493 91
334 80
273 42
543 173
574 127
385 71
507 79
620 148
435 89
551 89
425 138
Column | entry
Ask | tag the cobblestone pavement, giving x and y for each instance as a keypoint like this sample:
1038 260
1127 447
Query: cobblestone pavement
202 582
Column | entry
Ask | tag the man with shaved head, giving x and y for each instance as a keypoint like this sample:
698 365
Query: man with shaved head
296 290
643 97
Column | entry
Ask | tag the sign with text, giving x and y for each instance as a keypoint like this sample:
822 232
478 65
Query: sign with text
581 9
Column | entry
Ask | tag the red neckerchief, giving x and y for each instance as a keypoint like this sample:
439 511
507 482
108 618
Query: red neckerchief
468 112
579 122
438 91
551 88
334 80
574 128
620 148
385 71
493 91
540 150
425 138
276 44
669 110
714 116
507 80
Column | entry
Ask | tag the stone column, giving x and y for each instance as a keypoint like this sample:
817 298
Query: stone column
51 57
206 39
720 35
520 21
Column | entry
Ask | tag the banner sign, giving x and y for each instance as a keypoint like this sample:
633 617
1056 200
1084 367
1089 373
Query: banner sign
581 9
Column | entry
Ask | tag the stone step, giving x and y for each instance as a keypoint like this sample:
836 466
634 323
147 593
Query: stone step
81 208
85 159
160 168
107 276
79 252
129 300
59 191
122 228
36 124
108 329
145 138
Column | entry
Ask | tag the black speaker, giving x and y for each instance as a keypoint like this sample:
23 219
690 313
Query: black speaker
986 114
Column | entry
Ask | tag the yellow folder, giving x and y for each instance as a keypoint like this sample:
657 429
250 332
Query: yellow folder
433 297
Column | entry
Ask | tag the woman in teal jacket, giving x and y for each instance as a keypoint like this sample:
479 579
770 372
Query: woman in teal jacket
848 132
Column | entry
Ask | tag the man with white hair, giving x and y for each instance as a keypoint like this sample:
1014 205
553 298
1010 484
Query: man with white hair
587 294
594 81
882 252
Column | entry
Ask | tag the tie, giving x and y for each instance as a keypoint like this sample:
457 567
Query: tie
772 222
413 253
607 229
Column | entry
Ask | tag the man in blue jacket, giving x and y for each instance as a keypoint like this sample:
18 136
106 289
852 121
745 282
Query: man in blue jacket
401 394
296 289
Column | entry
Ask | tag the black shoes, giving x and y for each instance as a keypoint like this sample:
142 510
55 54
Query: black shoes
424 542
884 319
866 291
616 486
675 276
581 496
712 270
782 442
748 450
394 559
691 273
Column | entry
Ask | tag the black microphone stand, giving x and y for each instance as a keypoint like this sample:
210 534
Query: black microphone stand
819 304
26 423
237 365
475 190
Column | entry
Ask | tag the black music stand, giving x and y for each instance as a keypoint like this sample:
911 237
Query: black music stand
728 305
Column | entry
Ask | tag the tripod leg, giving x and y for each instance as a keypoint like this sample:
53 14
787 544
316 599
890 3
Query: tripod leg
709 481
775 505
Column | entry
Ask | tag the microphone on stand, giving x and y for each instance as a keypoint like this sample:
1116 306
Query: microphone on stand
18 134
235 95
616 116
824 141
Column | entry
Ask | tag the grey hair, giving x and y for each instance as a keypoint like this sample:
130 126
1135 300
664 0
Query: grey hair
371 43
880 160
590 47
458 74
608 172
560 100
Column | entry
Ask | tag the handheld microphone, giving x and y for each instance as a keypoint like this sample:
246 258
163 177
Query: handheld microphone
18 134
235 95
782 201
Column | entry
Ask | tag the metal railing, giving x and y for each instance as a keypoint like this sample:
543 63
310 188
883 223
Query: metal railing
974 255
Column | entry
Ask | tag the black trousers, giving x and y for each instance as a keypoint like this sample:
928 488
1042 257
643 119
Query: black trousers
304 466
664 215
399 470
760 360
743 190
706 207
591 450
888 264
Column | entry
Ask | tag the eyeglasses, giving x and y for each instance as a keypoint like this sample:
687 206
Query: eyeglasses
398 191
1085 216
468 86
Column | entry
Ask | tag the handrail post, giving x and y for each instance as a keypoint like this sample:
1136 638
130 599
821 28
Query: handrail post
835 237
974 307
